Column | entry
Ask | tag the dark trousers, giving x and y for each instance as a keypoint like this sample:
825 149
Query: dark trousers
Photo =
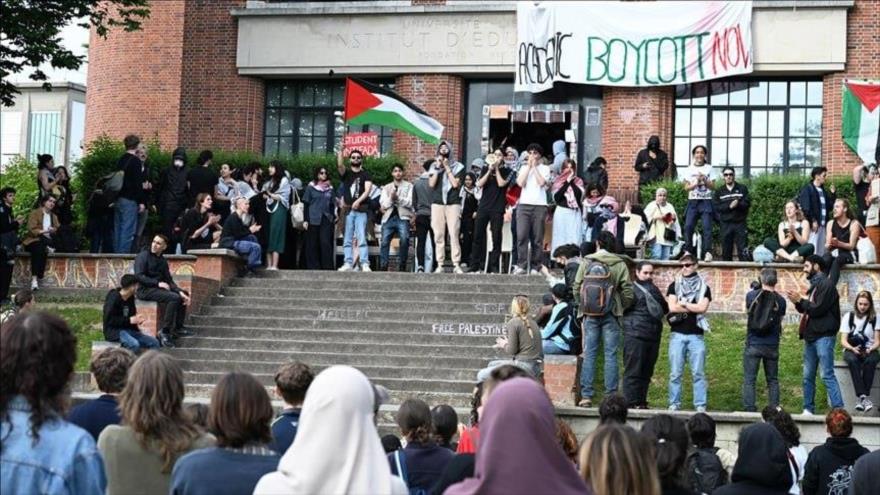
530 227
6 266
753 356
170 214
173 312
102 234
862 370
478 251
39 250
639 358
733 233
423 228
319 246
466 233
836 264
698 209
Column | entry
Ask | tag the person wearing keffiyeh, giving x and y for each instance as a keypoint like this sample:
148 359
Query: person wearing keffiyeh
568 192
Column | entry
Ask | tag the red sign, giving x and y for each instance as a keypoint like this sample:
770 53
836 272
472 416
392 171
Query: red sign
366 142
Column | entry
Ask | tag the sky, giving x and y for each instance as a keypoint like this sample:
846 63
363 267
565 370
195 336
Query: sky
74 38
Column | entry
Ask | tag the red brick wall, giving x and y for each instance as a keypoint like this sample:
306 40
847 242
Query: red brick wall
629 117
862 62
175 80
134 78
442 96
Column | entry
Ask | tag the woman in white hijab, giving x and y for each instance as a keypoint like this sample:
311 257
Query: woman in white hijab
336 449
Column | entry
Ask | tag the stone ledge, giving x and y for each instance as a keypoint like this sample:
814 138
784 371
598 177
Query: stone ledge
86 256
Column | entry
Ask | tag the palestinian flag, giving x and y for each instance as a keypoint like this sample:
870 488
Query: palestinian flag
367 103
861 118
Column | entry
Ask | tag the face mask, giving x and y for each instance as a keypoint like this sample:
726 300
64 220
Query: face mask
178 163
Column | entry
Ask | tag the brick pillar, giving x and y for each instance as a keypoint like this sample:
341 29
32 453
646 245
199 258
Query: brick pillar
630 117
442 96
862 62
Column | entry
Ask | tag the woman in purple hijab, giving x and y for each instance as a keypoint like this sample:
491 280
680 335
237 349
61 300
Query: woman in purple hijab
518 451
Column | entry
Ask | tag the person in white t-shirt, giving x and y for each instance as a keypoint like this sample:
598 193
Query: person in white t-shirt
860 338
699 181
534 179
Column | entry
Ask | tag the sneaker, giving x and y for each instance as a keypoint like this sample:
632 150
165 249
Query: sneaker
35 286
420 270
458 270
701 409
365 267
534 272
806 412
165 340
518 271
868 404
672 408
860 405
439 269
585 402
345 268
708 257
183 332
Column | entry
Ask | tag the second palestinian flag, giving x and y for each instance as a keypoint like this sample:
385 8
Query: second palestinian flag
861 118
367 103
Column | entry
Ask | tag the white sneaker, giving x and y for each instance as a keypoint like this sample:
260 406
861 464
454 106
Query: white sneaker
672 408
806 413
365 267
534 272
708 256
458 270
860 405
345 268
701 409
439 269
34 284
868 404
518 271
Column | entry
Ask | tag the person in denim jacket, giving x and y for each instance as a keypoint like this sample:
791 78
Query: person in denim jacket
40 452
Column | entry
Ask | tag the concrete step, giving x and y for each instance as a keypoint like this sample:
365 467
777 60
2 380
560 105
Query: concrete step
328 355
426 314
389 371
396 384
342 335
367 346
454 399
374 304
440 327
427 296
403 284
312 275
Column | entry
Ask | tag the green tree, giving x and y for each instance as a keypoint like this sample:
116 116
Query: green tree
29 36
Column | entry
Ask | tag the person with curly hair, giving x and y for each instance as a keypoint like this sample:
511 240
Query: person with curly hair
40 452
829 466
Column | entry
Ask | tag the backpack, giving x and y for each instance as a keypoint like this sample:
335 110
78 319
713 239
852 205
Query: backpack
597 289
704 471
567 319
400 460
109 186
764 313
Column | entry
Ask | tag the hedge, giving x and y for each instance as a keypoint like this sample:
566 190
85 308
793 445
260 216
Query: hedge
768 193
21 174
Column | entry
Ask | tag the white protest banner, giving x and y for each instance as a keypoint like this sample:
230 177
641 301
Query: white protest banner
639 44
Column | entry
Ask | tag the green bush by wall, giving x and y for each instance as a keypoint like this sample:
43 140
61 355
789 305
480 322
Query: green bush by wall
21 174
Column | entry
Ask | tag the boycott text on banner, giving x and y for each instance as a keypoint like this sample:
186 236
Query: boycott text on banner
366 142
631 43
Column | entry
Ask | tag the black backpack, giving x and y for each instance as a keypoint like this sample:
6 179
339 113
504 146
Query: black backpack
764 313
704 471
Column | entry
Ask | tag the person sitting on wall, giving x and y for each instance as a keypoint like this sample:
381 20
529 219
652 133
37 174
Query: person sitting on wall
156 284
793 236
561 334
42 224
238 235
841 236
121 321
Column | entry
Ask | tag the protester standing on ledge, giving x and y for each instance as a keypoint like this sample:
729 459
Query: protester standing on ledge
651 162
319 212
446 179
534 179
396 202
732 202
171 196
132 197
356 186
816 204
9 226
699 181
277 193
156 284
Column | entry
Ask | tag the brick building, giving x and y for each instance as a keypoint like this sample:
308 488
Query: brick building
267 75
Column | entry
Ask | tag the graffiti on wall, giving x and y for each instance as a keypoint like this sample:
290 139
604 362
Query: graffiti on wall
86 272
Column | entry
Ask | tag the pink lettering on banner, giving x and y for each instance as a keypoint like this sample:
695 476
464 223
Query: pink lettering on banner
729 50
366 142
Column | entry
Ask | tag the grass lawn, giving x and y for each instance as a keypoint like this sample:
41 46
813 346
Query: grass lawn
724 349
85 320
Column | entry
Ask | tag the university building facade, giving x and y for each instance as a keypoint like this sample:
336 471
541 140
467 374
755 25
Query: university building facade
268 76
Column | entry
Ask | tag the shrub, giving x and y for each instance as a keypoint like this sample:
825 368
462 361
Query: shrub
21 174
768 195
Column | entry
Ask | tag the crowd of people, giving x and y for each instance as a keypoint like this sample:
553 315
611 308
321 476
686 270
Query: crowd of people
277 221
138 436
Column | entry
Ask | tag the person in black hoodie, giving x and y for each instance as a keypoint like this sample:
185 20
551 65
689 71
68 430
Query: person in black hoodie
762 464
651 162
829 466
121 319
132 197
820 321
171 195
596 175
732 203
9 225
642 330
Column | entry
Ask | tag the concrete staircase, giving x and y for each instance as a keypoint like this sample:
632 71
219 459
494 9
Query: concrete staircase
423 335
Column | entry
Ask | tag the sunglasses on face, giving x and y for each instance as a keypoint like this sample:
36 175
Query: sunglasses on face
728 175
356 158
687 265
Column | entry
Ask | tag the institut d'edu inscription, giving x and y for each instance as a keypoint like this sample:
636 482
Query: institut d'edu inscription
444 38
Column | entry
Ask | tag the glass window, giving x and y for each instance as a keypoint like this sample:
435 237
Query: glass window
301 118
755 126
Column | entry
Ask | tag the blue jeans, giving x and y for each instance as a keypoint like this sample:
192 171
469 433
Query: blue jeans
134 341
693 349
250 248
820 354
401 227
660 252
608 329
125 225
550 347
701 208
355 226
